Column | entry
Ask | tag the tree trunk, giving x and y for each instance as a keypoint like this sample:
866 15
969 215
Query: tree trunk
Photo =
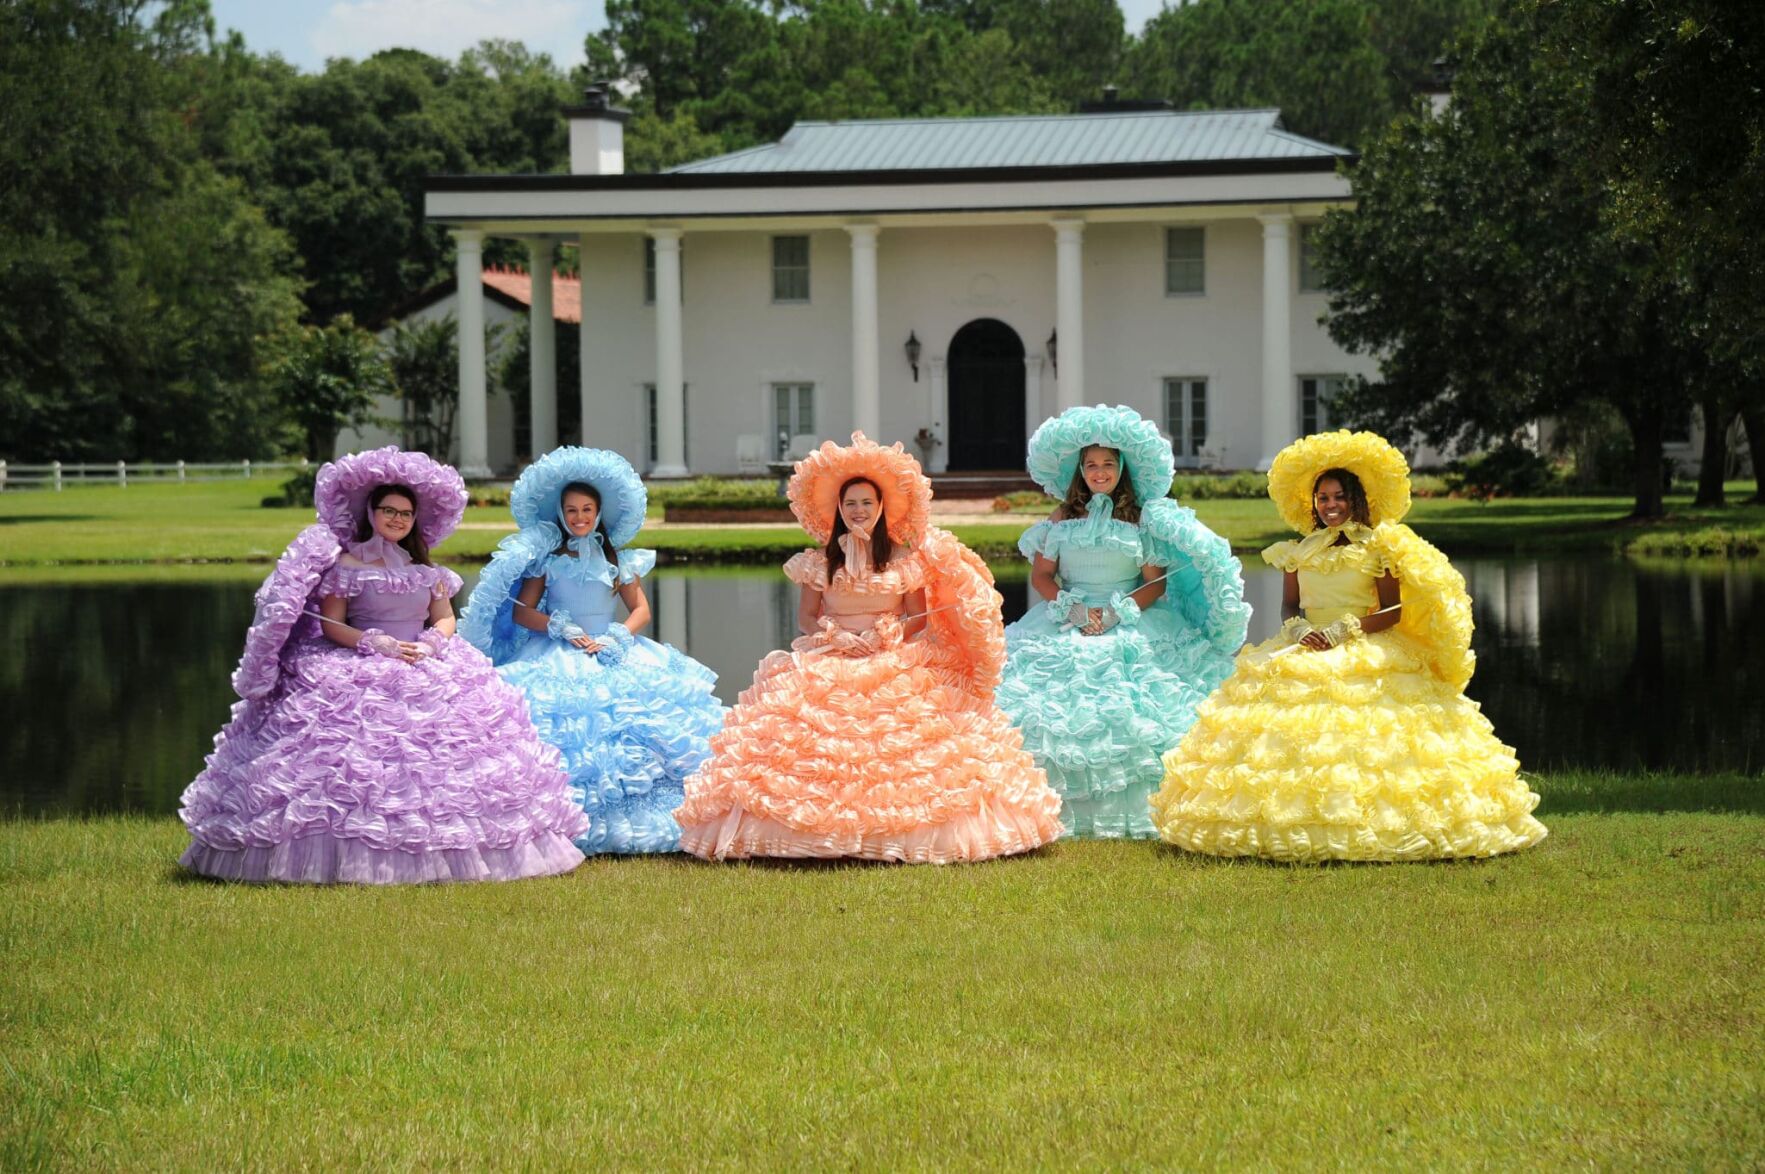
1752 416
1646 463
1714 461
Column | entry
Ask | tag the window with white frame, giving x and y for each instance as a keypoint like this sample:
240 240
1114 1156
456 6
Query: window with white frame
1316 393
790 268
1185 414
652 421
793 414
1185 261
1311 280
649 270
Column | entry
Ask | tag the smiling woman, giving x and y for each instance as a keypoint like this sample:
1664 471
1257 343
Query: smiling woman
370 746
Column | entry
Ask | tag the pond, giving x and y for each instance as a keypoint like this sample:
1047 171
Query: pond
113 690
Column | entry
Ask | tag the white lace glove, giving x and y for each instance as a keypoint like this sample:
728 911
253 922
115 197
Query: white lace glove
561 627
433 642
1120 611
1296 629
1072 608
1342 631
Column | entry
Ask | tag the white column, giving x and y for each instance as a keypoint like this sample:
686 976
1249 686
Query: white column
1032 394
670 388
1069 317
940 456
542 350
1277 337
474 410
585 349
866 371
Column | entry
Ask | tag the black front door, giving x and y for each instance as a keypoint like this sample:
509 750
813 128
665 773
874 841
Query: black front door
986 397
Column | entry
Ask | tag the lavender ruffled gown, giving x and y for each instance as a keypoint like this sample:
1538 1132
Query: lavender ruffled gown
367 769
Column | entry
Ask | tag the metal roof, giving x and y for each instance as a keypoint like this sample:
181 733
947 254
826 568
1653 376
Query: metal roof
1059 140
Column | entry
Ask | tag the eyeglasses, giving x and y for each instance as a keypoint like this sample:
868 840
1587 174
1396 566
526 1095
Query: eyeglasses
395 515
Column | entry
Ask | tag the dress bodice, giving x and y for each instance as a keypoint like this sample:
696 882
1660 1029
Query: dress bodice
395 600
1097 572
1095 556
857 611
587 584
1336 579
590 603
1327 596
856 602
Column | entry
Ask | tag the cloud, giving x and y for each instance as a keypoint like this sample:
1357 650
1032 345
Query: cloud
445 28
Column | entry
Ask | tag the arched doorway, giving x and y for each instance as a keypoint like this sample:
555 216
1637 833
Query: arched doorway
986 397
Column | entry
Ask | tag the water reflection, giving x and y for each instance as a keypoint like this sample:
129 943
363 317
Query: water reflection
114 691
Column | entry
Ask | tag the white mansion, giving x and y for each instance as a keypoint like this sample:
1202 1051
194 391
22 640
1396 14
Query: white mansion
944 282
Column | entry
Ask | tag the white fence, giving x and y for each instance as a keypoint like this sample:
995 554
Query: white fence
59 475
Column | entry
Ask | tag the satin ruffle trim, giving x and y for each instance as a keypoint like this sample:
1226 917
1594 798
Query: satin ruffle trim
629 735
348 580
851 754
323 859
1097 712
904 574
1357 753
432 756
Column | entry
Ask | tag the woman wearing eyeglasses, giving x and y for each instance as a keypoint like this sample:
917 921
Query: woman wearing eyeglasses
371 746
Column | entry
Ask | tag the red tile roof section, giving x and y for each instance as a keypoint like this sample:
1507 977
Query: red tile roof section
517 284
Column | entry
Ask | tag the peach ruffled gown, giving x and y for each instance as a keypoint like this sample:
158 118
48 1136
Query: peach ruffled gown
898 754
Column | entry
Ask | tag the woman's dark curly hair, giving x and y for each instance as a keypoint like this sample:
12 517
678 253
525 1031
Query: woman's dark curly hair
1358 509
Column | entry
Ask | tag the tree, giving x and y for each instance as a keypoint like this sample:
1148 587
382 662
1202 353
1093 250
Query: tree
1676 101
424 365
1339 70
136 284
1479 265
327 379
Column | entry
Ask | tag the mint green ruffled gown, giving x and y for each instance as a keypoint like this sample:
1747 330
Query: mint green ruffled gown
1098 712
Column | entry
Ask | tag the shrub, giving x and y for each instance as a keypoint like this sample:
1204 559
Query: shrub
296 491
1508 470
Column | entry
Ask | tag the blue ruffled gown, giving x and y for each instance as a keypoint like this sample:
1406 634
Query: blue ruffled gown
629 732
1098 712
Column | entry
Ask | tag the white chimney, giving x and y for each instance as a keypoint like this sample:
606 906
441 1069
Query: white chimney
597 133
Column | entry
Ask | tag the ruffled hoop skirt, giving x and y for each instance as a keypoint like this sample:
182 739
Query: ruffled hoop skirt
1356 753
368 770
629 734
1098 712
880 757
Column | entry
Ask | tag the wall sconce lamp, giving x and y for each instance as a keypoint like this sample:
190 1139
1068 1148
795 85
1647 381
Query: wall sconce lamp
1054 349
913 352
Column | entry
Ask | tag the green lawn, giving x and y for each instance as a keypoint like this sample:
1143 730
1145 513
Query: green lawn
223 521
1594 1002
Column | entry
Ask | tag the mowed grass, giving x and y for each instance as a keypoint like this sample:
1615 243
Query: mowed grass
223 521
1596 1001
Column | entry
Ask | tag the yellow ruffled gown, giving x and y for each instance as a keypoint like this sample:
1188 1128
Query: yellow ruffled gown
1366 751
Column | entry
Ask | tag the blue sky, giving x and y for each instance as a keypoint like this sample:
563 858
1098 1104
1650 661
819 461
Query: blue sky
307 33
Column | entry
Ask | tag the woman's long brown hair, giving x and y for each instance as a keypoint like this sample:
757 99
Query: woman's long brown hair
1078 495
413 542
881 548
